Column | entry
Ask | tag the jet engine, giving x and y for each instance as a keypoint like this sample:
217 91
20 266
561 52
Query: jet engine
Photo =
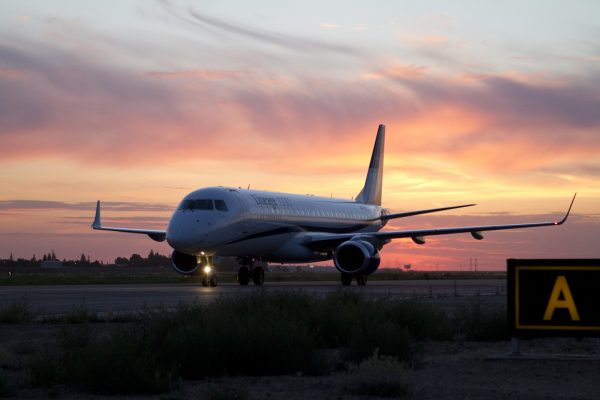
356 257
184 263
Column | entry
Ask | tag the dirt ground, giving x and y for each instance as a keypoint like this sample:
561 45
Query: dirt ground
449 370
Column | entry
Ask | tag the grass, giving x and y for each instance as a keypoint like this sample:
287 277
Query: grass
263 333
18 312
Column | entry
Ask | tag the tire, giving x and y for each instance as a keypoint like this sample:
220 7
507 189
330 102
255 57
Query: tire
258 276
213 280
361 280
204 280
346 279
243 276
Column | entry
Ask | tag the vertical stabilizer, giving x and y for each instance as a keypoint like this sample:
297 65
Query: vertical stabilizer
371 192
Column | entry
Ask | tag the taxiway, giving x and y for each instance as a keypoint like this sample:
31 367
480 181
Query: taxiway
60 299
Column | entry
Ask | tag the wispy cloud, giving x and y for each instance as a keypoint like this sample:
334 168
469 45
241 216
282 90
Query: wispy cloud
204 74
40 205
275 38
221 27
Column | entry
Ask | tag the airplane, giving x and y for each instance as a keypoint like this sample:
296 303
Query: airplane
258 226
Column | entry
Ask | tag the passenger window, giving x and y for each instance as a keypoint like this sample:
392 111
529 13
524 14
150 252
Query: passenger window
220 205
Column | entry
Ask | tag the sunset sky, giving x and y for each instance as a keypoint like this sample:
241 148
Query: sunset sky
140 102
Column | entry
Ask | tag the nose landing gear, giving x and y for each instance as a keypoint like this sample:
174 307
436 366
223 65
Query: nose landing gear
209 275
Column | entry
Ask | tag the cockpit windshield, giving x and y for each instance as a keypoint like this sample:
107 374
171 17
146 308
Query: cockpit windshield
220 205
202 204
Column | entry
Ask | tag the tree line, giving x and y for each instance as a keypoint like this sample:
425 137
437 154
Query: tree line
153 259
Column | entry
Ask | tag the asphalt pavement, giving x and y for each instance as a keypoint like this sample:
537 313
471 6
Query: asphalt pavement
61 299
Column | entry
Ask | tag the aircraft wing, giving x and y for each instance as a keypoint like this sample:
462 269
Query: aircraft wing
154 234
417 235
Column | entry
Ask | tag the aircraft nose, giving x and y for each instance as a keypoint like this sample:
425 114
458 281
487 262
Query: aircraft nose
182 240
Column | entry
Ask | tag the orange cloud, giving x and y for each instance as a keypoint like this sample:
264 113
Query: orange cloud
398 71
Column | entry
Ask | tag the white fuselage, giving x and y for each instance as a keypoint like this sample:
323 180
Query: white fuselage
220 221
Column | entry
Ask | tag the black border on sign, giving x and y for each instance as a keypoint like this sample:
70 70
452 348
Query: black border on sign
511 297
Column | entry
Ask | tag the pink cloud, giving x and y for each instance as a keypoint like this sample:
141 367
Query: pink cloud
206 74
61 105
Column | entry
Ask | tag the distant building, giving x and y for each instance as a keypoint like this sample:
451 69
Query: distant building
52 264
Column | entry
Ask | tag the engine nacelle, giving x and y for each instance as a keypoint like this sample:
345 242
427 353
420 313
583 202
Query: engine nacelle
356 257
185 264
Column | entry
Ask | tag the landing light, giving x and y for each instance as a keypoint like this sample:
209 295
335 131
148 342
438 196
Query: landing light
207 269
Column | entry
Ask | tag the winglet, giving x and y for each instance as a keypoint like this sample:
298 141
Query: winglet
97 224
562 221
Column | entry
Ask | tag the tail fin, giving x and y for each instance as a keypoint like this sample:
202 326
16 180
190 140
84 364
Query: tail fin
371 192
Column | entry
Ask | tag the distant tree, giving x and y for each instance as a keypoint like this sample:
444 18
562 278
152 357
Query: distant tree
53 256
82 259
151 255
44 258
11 259
33 259
136 259
121 261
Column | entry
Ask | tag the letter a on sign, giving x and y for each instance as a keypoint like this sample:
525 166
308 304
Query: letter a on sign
561 287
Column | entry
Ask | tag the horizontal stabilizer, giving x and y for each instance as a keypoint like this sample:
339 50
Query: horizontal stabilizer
419 212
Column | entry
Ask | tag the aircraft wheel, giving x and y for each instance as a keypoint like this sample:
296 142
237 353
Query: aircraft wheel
213 280
346 279
361 280
258 276
243 276
204 280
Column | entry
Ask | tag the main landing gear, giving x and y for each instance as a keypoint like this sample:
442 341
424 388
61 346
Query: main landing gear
361 280
248 271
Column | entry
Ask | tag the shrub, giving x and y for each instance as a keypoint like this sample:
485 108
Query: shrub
120 362
8 388
80 314
264 333
422 320
231 339
334 317
473 322
385 337
17 312
218 392
376 376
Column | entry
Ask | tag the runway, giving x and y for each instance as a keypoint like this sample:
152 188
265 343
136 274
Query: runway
61 299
